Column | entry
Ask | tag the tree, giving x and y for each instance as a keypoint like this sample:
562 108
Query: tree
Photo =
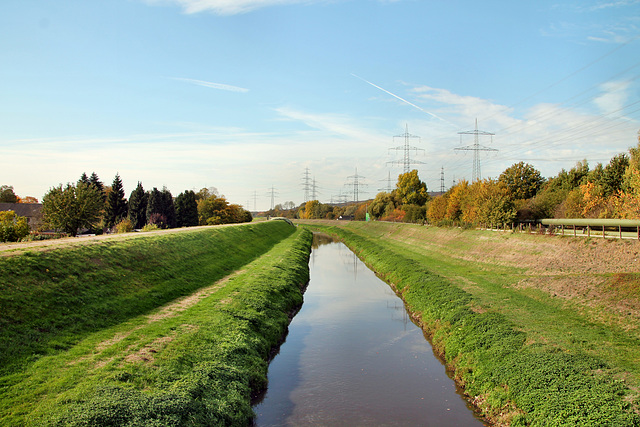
12 227
455 199
168 208
410 190
437 208
72 207
522 180
28 199
95 182
155 208
614 173
382 205
138 207
186 209
7 195
116 208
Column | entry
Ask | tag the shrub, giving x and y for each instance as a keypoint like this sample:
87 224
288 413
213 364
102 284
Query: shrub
124 226
150 227
12 227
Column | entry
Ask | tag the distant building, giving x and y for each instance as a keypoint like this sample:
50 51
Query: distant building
32 211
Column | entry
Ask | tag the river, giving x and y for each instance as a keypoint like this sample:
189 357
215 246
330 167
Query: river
352 357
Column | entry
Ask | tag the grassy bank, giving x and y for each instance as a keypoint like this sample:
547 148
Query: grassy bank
534 340
165 330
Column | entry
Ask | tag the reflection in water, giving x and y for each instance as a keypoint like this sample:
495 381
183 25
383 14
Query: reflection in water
352 357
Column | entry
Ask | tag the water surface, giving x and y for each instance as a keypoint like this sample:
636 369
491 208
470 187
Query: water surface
352 357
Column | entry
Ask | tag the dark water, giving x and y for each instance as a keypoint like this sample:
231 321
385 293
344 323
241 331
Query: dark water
353 358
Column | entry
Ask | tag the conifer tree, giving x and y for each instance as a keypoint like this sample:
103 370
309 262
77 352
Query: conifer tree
116 209
186 209
138 207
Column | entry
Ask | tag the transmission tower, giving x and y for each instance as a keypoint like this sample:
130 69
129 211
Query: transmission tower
389 187
355 184
272 193
406 148
476 148
340 198
442 180
306 184
255 199
314 190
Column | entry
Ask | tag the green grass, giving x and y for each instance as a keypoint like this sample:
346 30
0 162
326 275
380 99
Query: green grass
524 357
190 364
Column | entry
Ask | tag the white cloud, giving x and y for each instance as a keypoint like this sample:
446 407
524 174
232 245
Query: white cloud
467 108
614 4
614 96
227 7
211 85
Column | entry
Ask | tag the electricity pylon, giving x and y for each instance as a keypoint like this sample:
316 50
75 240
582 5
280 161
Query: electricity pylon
306 185
406 149
355 184
476 148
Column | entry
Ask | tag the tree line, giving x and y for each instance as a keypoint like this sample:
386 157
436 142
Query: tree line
519 194
90 206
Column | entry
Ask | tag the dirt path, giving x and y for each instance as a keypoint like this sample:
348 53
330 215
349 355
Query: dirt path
7 249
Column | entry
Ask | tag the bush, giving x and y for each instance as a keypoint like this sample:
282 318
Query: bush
150 227
12 227
124 226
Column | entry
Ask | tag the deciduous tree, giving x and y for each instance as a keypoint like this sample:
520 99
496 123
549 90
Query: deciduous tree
522 180
7 195
72 207
410 190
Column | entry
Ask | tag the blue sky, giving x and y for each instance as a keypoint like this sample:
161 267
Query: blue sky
244 95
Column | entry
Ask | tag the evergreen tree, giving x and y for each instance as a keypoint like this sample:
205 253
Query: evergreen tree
186 209
154 205
168 208
116 209
97 184
138 207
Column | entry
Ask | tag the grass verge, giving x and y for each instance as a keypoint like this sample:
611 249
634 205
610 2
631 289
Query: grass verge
194 362
523 356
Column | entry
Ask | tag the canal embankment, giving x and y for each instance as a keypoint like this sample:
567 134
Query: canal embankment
164 329
536 331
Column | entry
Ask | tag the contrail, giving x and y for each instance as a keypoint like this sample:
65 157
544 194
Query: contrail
405 101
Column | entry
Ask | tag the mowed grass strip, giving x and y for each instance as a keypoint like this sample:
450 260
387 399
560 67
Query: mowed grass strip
524 356
50 299
195 361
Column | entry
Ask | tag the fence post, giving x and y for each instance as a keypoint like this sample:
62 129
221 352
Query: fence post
588 231
604 236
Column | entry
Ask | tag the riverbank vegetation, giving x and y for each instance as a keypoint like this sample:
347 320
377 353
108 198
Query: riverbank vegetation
160 329
538 331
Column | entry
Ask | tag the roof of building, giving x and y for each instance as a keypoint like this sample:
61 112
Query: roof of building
29 210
